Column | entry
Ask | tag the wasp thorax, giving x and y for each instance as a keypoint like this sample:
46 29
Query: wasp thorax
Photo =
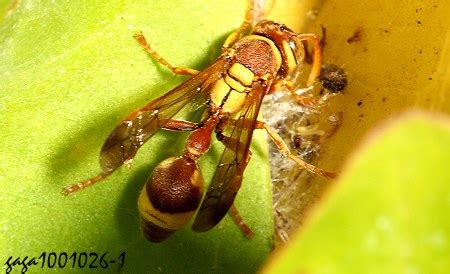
170 197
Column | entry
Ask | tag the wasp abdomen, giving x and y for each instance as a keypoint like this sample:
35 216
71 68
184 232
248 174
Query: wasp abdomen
170 197
176 185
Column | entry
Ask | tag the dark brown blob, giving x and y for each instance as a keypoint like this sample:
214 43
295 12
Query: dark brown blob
154 233
357 35
257 56
170 188
323 40
333 78
297 141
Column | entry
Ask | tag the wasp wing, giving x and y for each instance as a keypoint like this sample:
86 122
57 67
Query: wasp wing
228 176
125 140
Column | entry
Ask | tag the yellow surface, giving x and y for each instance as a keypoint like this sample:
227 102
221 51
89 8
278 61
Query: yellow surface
397 57
400 62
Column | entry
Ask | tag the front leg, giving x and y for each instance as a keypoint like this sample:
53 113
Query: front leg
237 34
179 125
239 221
176 70
301 99
316 67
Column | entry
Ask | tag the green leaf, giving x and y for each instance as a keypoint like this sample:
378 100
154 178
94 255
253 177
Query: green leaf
388 213
69 72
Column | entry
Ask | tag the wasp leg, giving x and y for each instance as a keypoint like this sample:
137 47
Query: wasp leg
176 70
315 71
305 100
281 145
302 99
240 222
236 35
179 125
84 184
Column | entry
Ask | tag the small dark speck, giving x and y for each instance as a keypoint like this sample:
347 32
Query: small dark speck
297 141
418 22
420 51
359 103
361 115
384 99
386 30
431 78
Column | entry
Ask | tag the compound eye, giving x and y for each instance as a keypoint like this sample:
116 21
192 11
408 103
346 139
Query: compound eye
297 49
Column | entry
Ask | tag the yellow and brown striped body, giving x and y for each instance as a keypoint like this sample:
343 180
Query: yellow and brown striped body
170 198
173 192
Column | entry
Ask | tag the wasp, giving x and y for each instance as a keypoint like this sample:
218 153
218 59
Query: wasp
255 61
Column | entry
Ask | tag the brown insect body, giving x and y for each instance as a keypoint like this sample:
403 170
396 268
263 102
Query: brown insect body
234 86
260 55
